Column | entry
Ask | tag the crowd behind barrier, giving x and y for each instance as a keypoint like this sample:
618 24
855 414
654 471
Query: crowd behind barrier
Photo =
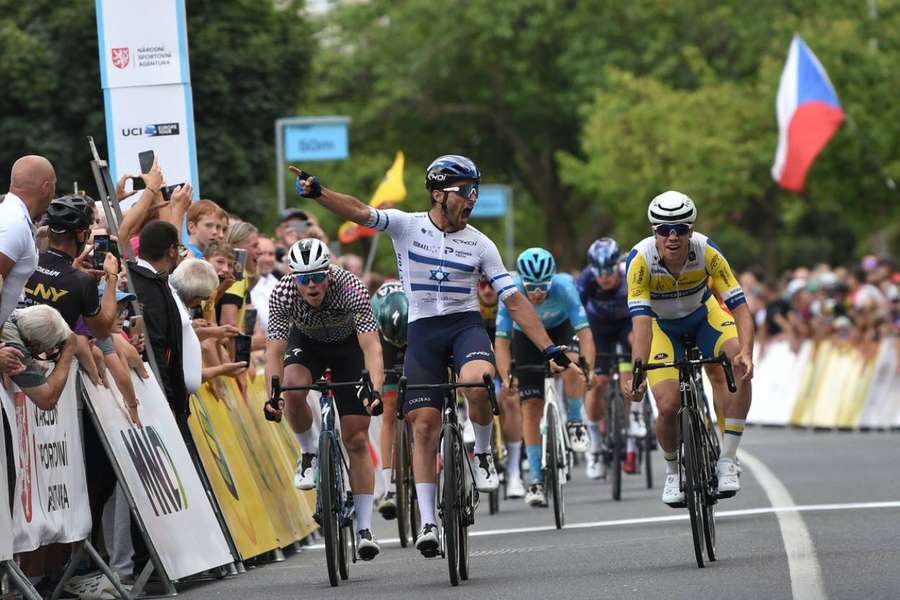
210 480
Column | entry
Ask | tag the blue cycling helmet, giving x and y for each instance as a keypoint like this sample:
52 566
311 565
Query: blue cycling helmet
536 265
603 254
446 169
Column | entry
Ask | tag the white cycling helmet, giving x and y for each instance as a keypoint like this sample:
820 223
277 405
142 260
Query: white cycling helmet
671 208
308 256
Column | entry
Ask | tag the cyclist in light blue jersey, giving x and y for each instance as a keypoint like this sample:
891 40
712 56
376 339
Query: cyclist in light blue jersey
556 300
441 259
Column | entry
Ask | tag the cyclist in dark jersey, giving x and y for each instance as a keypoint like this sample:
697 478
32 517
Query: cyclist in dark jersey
604 294
391 309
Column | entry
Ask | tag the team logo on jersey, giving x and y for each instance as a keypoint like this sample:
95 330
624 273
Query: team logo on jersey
464 242
727 323
439 275
661 356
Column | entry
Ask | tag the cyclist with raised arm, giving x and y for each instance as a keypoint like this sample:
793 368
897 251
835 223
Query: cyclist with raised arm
604 293
668 298
556 301
320 317
391 309
441 258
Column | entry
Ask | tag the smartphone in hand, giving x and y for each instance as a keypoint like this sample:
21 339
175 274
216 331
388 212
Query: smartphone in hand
240 261
101 247
250 316
145 159
242 345
136 326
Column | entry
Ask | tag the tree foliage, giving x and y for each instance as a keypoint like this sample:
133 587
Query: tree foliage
248 61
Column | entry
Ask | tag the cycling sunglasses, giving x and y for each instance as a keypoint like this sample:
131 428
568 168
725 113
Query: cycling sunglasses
537 287
465 190
680 229
305 278
603 270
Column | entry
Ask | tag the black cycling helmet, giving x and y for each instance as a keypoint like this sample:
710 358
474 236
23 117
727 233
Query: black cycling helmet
444 170
391 308
70 213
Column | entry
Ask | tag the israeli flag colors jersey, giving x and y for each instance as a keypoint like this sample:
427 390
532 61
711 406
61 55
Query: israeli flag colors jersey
654 291
440 271
562 304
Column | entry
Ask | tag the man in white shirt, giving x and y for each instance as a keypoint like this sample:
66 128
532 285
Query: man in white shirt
32 185
259 295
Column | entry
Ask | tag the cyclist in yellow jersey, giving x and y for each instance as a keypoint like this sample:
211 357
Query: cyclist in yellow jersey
667 298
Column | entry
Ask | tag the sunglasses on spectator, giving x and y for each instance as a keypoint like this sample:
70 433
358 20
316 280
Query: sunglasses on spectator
122 311
305 278
603 270
680 229
537 287
465 190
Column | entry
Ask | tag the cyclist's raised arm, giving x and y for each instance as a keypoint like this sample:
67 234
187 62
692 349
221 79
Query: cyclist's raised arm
343 205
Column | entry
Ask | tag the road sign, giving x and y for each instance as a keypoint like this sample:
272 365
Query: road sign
316 140
492 201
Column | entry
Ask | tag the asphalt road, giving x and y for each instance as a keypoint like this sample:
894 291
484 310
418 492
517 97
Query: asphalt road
835 534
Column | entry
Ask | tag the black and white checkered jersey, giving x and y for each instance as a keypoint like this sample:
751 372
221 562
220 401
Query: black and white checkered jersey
345 310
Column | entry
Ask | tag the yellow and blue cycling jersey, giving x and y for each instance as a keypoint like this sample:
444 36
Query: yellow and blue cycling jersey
562 304
654 291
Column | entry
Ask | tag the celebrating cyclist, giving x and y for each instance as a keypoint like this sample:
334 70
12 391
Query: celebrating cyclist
668 297
441 258
557 303
391 309
604 293
320 317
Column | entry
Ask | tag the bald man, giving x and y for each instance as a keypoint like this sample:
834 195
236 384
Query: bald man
32 185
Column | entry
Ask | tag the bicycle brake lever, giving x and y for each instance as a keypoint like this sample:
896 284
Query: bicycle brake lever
729 373
637 376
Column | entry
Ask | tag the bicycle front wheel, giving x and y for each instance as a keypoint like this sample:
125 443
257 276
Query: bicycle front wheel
329 506
648 442
402 483
450 518
616 442
694 493
551 475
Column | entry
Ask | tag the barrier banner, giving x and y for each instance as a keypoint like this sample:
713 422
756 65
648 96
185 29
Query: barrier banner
240 499
882 405
51 499
159 474
273 473
776 382
6 528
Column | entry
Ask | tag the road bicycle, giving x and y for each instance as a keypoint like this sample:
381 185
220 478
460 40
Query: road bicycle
697 443
457 496
335 511
404 482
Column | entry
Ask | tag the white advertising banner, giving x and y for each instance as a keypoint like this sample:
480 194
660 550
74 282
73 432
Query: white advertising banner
158 118
145 75
161 478
51 502
6 528
142 42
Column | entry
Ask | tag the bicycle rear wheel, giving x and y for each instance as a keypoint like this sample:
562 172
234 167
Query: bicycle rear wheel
345 550
551 474
616 441
648 442
329 506
450 521
467 504
402 483
694 493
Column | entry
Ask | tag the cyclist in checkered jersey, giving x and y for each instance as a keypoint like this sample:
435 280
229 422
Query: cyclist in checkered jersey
440 258
320 317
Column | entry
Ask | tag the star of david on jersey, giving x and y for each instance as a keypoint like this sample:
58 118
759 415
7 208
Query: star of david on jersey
439 275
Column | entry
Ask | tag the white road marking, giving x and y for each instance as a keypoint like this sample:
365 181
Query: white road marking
806 575
681 516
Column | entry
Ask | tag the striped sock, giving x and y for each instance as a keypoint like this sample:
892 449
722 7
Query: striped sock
734 429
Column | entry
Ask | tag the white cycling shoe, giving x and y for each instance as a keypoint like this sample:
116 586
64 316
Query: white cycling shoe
595 467
305 475
535 496
486 478
515 487
366 546
579 439
728 474
428 543
636 428
672 494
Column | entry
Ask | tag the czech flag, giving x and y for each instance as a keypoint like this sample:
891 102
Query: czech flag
809 113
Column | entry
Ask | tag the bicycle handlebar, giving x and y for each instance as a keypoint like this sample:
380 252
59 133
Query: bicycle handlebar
321 385
486 382
641 369
545 369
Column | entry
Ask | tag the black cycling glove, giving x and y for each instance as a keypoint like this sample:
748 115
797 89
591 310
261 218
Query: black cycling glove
557 354
315 189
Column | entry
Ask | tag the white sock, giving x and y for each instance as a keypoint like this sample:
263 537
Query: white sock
637 408
363 503
308 442
425 493
630 445
734 430
483 437
671 462
596 438
513 458
387 473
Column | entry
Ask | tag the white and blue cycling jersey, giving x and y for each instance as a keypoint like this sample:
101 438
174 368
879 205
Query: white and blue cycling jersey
562 304
440 271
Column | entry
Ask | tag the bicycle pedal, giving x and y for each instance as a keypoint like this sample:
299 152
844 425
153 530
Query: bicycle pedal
682 504
317 517
724 495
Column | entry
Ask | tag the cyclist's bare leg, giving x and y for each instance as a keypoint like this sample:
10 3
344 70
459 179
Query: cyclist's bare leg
426 428
355 433
478 403
574 386
511 417
736 405
595 407
388 429
720 393
668 401
296 409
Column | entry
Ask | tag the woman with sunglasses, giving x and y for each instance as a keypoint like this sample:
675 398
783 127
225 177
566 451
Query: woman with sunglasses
556 301
320 317
601 286
668 297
